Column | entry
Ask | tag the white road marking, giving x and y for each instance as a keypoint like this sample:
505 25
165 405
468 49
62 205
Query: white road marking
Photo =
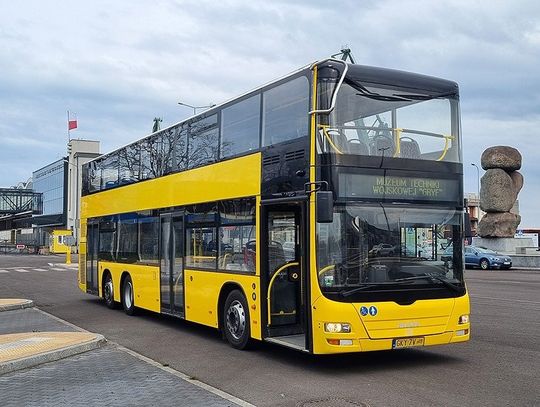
22 271
4 271
57 269
39 269
504 299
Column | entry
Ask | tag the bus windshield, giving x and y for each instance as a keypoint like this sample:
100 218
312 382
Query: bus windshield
376 246
380 120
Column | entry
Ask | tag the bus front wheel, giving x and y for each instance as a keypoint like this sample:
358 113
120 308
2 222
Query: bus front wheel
128 296
236 320
108 291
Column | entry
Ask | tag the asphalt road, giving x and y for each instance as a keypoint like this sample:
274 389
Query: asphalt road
500 366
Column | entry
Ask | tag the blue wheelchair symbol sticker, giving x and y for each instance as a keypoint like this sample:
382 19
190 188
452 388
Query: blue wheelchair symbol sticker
364 311
372 310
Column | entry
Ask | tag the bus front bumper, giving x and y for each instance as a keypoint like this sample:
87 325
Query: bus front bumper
346 344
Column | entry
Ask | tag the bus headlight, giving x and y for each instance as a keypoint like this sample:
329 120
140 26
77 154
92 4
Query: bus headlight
337 327
464 319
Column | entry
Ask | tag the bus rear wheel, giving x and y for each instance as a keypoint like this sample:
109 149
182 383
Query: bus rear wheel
236 320
128 296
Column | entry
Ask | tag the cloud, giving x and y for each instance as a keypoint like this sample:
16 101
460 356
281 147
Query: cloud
120 64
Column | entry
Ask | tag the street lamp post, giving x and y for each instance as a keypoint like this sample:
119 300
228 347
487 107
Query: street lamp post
197 107
477 179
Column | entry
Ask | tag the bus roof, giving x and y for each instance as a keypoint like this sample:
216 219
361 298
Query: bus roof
385 76
362 73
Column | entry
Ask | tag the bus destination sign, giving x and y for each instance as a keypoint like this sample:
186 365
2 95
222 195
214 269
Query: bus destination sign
394 187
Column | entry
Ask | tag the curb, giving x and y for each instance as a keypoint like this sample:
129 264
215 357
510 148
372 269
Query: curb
52 356
19 305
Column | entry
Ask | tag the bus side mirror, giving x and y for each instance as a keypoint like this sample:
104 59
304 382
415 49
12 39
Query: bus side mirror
324 202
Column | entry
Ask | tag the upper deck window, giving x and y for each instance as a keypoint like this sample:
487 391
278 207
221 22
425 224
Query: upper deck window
380 120
109 171
285 111
130 163
240 127
203 142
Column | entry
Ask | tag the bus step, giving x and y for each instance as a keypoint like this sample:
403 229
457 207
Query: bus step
290 341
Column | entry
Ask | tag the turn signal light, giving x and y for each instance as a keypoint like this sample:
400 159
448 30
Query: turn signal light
340 342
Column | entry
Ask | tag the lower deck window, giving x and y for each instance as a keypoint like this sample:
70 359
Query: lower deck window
201 248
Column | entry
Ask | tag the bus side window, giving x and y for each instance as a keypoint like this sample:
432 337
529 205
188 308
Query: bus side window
129 158
240 127
203 142
285 111
180 148
148 239
237 237
109 174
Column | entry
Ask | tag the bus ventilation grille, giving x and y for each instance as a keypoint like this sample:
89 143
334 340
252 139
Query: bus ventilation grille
273 159
294 155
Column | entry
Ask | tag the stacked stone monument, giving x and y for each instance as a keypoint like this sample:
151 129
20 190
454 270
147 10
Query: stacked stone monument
499 189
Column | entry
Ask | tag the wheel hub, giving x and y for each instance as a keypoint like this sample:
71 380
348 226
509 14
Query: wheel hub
128 295
108 294
236 319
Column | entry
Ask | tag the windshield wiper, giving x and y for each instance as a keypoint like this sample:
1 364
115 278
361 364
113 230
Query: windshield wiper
366 286
405 280
431 277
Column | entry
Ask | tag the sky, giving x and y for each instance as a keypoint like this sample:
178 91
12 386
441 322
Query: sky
120 64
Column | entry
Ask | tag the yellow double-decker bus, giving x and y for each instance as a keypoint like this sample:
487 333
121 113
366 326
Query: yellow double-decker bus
322 212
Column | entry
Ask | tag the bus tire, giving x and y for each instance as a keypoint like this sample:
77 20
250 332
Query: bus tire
108 291
128 295
236 320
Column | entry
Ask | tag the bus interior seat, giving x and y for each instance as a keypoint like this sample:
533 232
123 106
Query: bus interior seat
358 147
409 148
382 145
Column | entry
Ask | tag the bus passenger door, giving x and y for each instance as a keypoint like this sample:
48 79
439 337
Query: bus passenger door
92 236
172 264
283 266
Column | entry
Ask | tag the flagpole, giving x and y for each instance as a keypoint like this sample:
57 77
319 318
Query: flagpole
68 133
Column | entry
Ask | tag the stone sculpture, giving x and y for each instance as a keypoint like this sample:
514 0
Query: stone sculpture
499 188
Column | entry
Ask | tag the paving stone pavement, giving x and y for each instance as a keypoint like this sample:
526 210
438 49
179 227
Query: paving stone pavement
30 320
106 376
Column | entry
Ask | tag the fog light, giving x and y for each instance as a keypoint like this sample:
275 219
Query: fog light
464 319
462 332
345 342
337 327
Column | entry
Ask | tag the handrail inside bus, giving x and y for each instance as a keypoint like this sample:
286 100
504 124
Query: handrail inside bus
325 128
396 130
327 268
445 150
285 266
338 86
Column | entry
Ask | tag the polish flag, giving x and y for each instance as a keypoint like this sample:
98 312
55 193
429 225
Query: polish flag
72 121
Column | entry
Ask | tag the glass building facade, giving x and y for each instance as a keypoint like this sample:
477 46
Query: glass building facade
51 182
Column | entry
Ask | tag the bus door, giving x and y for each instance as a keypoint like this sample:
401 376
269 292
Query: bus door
172 263
283 273
92 239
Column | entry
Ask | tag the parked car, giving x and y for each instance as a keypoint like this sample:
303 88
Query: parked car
486 259
381 249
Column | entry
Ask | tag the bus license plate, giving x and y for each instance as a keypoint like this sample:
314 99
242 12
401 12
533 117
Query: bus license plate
407 342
